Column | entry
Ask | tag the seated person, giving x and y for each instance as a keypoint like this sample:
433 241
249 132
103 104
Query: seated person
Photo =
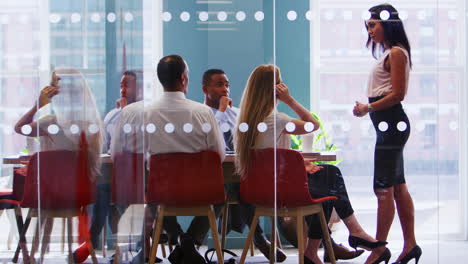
130 90
75 123
257 105
173 108
216 90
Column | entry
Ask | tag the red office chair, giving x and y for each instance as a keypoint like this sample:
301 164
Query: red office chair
186 184
58 184
292 194
128 181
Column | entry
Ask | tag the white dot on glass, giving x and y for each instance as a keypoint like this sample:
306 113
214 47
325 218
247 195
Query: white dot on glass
290 127
206 127
26 129
366 15
128 17
403 15
185 16
383 126
259 16
74 129
240 16
93 129
453 125
188 128
203 16
243 127
75 18
262 127
222 16
225 127
53 129
292 15
111 17
384 15
54 18
95 17
166 16
127 128
308 15
308 127
8 130
401 126
150 128
169 128
4 19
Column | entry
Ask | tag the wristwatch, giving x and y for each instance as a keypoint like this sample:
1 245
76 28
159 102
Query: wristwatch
369 108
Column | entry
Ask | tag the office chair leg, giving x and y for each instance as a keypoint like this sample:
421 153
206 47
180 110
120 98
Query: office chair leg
36 239
156 234
48 225
326 235
70 240
163 250
273 241
22 228
224 225
249 240
62 247
214 231
300 237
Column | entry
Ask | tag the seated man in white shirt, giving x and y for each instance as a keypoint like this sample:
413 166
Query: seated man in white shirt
215 85
182 125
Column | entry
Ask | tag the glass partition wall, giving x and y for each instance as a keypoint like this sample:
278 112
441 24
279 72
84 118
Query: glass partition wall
95 124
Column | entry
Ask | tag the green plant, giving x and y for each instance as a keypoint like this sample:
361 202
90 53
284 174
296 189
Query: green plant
322 142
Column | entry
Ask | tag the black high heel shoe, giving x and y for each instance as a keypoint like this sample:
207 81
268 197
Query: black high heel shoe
308 261
356 242
415 253
386 255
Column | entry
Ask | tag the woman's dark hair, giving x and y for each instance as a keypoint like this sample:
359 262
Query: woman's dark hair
394 32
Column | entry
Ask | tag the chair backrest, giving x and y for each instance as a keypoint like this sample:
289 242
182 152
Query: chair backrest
128 178
257 184
186 179
64 180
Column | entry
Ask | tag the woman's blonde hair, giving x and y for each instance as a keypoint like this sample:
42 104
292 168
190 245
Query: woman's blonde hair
257 103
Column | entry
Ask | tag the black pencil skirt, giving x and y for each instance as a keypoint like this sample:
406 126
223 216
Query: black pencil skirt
393 129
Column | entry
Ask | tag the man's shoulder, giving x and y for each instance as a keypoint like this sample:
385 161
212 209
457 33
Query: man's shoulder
111 114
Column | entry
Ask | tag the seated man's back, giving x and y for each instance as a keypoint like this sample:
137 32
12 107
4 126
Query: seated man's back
177 124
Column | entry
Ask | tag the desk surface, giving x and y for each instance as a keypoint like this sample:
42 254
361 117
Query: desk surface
105 158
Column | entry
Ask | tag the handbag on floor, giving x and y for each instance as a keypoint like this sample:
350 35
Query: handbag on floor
210 260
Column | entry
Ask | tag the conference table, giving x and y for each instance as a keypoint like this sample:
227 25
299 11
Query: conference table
228 163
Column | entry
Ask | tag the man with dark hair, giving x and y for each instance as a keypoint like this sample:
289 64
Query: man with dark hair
184 126
130 92
215 85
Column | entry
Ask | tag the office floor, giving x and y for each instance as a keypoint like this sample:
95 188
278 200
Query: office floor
440 252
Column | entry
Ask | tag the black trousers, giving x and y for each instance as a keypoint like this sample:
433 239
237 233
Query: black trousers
328 182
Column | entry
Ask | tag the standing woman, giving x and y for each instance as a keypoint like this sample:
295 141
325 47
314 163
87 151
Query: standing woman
387 87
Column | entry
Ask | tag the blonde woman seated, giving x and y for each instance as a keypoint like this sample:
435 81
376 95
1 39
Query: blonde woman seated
73 115
257 105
